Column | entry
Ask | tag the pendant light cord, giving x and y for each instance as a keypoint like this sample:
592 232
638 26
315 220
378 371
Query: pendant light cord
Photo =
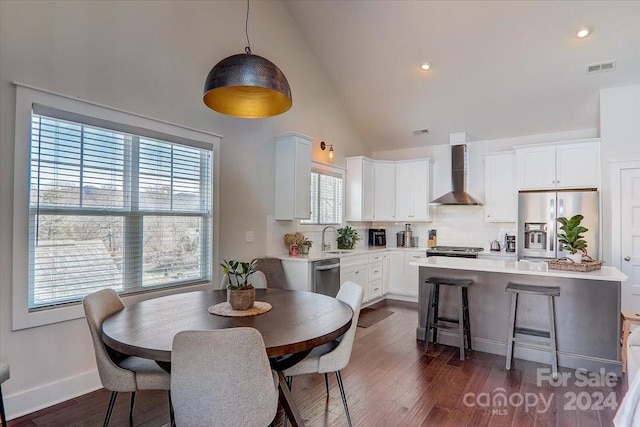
246 31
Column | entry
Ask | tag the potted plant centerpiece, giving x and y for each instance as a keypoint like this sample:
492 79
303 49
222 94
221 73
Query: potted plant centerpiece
240 293
571 237
306 245
347 237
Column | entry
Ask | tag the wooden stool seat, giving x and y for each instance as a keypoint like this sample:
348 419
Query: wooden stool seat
435 322
548 291
627 318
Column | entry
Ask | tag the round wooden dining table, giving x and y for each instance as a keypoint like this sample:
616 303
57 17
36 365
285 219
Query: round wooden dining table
297 322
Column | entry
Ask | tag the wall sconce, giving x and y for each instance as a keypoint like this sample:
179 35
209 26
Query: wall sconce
324 146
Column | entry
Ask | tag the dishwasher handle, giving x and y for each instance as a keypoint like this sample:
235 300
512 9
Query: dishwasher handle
326 267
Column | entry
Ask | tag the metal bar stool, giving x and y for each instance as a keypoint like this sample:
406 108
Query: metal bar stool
548 291
435 321
627 318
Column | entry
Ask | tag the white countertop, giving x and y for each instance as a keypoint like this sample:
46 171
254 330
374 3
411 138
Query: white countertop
611 274
315 256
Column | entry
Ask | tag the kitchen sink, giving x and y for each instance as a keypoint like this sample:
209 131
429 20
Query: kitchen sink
338 251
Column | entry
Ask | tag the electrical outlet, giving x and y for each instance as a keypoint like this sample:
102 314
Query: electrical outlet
248 236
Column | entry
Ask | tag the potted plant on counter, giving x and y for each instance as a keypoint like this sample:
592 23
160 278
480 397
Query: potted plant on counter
240 293
347 237
306 245
571 237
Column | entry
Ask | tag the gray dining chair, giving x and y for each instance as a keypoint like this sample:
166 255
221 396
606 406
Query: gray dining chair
4 375
333 356
273 271
118 372
222 378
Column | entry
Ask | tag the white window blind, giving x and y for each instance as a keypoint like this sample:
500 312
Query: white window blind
326 199
114 209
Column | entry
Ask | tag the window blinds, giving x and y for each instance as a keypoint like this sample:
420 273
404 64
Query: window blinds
326 199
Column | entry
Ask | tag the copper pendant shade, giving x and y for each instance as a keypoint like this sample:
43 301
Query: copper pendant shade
248 86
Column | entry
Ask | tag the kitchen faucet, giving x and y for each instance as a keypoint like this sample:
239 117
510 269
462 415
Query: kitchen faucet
327 247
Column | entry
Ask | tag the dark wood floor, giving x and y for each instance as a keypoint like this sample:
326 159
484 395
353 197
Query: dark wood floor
390 381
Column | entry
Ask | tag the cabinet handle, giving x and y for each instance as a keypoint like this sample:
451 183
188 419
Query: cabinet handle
415 256
375 271
627 258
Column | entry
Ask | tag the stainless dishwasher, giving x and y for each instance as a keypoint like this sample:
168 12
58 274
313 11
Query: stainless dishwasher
326 276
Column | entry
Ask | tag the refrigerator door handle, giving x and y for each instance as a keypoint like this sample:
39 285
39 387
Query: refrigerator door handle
551 226
552 209
560 207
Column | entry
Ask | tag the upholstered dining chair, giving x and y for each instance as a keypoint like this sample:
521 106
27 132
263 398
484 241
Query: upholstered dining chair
334 356
233 387
4 375
257 279
118 372
272 269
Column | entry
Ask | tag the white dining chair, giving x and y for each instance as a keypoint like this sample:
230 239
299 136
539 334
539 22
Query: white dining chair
334 356
4 375
222 378
118 372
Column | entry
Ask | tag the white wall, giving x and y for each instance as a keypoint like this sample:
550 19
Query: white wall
150 58
620 140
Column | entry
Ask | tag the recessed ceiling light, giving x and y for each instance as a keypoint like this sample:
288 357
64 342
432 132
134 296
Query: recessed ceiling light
425 66
583 32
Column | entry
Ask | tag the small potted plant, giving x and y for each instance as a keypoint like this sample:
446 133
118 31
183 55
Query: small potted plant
347 237
571 237
306 245
240 293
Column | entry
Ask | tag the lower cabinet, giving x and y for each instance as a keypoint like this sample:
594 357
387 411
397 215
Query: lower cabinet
403 280
356 269
376 274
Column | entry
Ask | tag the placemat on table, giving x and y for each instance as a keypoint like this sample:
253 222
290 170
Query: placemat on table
224 309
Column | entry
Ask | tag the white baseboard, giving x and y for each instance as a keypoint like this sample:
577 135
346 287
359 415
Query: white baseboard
28 401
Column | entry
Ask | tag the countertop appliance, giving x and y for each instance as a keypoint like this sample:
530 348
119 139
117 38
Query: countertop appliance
495 246
510 243
377 237
326 276
454 251
537 225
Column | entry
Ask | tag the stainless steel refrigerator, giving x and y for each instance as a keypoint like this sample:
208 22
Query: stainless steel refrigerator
538 228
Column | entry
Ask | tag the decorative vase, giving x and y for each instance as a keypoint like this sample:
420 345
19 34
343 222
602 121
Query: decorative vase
293 250
577 257
304 249
241 299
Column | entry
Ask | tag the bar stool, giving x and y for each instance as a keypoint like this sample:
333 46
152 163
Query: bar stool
628 318
550 292
435 322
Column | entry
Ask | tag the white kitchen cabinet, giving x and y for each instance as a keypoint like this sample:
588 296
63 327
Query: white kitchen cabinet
501 193
384 190
413 190
386 257
574 164
359 189
403 280
293 176
356 269
411 272
396 272
376 275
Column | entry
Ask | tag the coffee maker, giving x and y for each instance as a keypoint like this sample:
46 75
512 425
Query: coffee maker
377 237
510 243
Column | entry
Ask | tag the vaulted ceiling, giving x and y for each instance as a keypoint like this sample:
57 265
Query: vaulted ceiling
499 68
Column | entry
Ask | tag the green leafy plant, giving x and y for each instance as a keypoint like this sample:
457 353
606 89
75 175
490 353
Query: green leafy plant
347 237
238 273
307 242
571 238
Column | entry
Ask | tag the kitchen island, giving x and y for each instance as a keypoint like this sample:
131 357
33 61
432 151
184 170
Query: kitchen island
587 311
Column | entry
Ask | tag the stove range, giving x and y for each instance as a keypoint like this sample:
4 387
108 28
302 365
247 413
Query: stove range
454 251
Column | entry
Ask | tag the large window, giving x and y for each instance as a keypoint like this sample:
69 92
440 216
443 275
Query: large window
105 199
326 198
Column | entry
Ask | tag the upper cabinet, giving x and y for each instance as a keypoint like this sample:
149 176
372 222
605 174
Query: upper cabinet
384 191
388 190
293 176
360 179
574 164
413 184
501 194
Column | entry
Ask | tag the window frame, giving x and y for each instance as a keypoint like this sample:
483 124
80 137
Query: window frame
329 170
26 97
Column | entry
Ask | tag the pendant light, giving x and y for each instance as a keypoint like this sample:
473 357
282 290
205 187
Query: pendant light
247 85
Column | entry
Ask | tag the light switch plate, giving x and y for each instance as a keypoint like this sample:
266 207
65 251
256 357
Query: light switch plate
248 236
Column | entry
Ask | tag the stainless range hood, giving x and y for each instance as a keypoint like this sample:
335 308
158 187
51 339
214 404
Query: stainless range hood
458 176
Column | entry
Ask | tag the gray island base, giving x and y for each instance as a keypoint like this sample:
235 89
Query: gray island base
587 311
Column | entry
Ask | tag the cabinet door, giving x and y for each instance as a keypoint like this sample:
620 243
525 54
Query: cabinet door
302 179
385 272
404 192
367 190
293 177
396 271
501 194
577 165
384 191
420 178
536 168
411 273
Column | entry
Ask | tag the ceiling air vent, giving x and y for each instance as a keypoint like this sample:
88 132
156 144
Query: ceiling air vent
421 131
602 67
